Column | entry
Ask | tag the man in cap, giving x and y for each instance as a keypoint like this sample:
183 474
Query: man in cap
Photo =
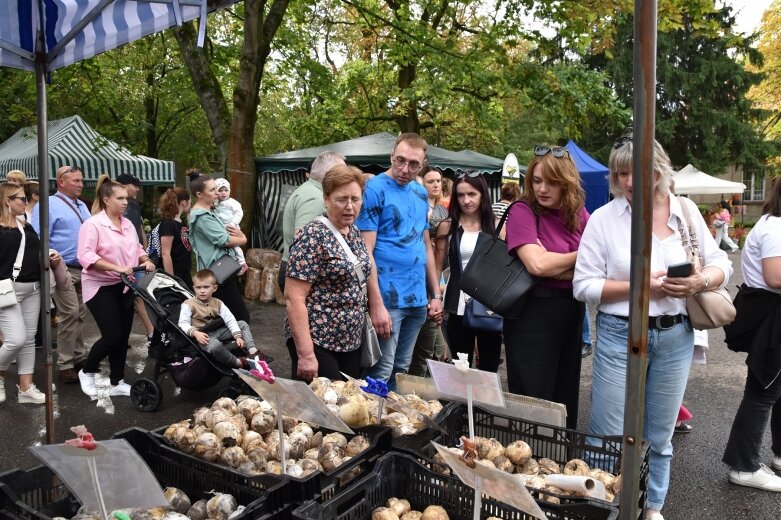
133 213
66 214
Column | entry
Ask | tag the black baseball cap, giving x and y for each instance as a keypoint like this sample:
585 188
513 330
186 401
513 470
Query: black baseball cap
126 178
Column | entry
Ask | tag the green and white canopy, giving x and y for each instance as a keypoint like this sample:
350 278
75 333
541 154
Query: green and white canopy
75 143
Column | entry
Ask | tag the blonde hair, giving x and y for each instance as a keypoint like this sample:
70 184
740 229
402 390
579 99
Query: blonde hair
8 189
621 161
16 176
562 172
105 188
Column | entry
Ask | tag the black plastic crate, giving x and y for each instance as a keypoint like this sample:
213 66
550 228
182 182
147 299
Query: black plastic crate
260 494
320 485
39 494
558 444
402 476
34 494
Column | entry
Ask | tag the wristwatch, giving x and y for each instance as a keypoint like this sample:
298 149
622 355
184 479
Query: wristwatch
437 296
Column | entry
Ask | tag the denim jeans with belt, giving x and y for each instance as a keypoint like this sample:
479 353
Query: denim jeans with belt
397 349
669 359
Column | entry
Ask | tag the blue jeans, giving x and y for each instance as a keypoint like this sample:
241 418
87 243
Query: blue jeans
397 349
669 359
587 327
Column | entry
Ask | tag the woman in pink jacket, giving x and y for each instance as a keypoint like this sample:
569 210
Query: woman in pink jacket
109 247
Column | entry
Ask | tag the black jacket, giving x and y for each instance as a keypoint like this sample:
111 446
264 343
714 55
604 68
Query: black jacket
757 330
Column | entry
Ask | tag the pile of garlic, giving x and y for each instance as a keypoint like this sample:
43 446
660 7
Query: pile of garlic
243 435
517 458
221 506
400 509
349 402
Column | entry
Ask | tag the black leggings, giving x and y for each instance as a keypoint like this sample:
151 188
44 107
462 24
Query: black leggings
113 312
330 364
462 339
228 292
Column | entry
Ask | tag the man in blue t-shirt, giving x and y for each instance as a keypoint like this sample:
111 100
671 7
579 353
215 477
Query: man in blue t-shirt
394 224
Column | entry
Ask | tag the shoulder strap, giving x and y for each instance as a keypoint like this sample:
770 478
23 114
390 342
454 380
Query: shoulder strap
67 203
19 254
507 212
349 252
694 246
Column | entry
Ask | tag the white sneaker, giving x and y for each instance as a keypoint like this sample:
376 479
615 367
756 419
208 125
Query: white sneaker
2 389
87 382
776 463
120 389
31 396
650 514
763 478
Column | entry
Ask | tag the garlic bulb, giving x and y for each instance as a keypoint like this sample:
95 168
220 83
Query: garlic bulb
215 416
198 511
252 440
178 499
221 506
337 438
263 422
228 433
248 408
518 452
356 445
227 404
233 457
208 447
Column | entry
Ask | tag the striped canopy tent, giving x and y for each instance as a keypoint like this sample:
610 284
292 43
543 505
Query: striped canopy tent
73 142
45 35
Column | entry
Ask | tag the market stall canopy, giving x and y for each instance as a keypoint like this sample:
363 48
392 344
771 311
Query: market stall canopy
73 142
593 175
79 29
691 181
375 150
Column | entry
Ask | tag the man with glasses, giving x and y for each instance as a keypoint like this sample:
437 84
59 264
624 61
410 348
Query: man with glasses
304 205
66 214
394 225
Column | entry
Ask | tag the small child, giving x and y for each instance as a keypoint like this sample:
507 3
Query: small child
197 312
230 212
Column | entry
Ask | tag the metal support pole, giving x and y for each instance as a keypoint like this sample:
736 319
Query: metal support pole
642 226
43 211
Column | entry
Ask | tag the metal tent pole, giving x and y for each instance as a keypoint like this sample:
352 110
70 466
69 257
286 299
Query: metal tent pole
43 211
642 219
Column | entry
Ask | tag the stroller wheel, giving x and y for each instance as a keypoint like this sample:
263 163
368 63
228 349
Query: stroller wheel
146 395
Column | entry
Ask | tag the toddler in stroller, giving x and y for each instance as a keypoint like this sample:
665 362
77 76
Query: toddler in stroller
211 324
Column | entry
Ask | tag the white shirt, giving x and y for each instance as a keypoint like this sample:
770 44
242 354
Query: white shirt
604 254
229 211
468 244
764 241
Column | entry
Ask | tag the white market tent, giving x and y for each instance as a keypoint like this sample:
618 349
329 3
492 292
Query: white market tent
691 181
73 142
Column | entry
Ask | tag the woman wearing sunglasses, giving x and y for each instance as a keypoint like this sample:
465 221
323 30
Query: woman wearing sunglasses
602 278
456 237
543 343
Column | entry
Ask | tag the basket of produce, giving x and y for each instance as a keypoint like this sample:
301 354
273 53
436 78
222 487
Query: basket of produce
241 438
195 495
531 450
400 487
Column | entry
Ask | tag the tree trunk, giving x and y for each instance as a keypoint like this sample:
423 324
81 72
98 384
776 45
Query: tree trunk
260 27
207 86
150 104
407 117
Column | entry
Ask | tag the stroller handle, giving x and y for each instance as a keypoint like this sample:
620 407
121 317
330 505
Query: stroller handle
126 280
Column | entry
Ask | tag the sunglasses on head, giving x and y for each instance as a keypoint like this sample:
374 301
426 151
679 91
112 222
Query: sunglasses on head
469 173
621 141
557 151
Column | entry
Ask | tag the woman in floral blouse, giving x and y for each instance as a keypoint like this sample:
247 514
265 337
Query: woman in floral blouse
325 303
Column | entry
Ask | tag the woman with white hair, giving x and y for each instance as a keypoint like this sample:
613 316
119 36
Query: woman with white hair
602 278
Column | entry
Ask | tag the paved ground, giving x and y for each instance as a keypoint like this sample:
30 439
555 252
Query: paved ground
698 486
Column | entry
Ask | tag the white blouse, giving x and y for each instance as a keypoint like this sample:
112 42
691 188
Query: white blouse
604 254
468 244
763 241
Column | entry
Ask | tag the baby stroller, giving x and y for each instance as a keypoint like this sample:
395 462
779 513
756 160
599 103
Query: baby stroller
179 355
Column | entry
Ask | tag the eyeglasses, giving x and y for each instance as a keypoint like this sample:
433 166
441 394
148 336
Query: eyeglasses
19 197
469 173
621 141
72 169
557 151
344 201
412 166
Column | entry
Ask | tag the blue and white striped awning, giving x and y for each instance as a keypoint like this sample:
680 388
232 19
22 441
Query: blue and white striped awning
78 29
73 142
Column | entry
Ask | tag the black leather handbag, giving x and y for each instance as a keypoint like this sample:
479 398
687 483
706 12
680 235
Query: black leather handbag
496 278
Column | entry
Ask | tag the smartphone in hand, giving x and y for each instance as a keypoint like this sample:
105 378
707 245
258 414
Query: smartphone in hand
681 270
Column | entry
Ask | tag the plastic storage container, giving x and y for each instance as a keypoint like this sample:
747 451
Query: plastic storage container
558 444
401 476
38 493
320 485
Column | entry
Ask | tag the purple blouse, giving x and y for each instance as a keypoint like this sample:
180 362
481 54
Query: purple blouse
553 235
